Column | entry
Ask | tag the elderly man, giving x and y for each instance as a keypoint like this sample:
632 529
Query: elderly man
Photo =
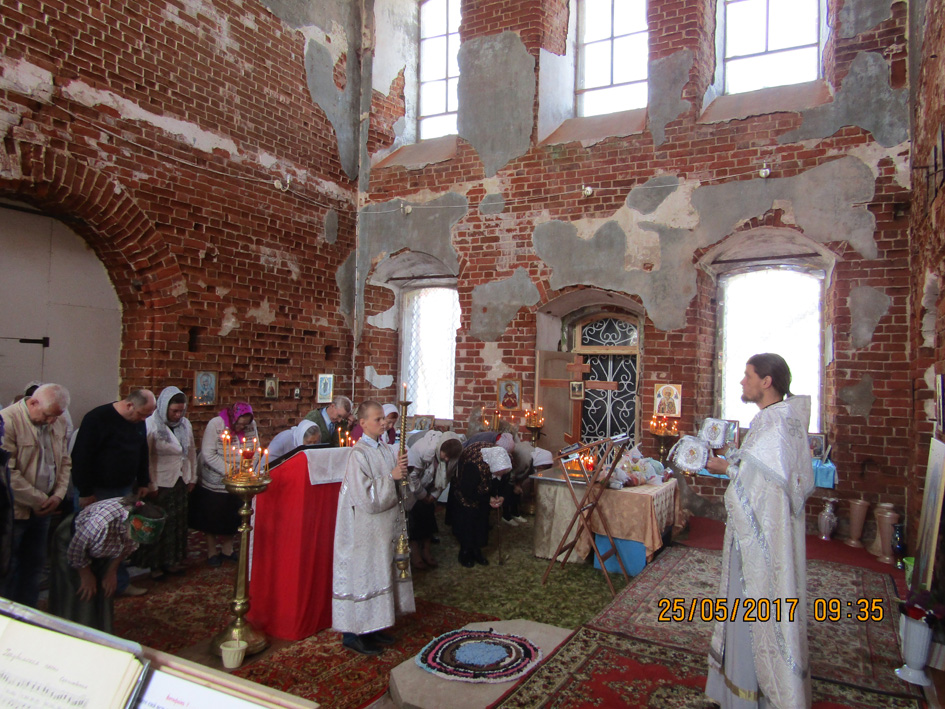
764 554
39 476
110 456
330 419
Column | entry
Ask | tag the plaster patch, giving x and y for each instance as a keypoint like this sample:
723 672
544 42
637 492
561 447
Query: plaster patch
7 121
647 197
496 98
192 11
189 133
492 204
21 77
859 398
867 307
395 47
872 153
331 226
828 345
340 106
491 357
179 288
866 100
931 290
230 323
344 279
858 16
494 305
378 381
274 259
221 291
667 77
388 320
265 314
267 160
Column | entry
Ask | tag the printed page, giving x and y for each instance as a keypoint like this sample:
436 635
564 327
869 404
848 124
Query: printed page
167 691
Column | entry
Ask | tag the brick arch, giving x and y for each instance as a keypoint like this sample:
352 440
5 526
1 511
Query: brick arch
145 273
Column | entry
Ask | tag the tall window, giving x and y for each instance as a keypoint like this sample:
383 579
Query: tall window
430 321
613 53
771 42
439 68
772 310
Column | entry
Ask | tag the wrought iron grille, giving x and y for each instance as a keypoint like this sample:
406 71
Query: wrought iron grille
609 413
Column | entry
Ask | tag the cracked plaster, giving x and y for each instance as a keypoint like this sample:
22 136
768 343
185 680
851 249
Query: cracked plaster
230 322
668 77
491 356
867 307
931 289
651 194
857 16
612 253
496 98
378 381
265 314
492 204
331 226
865 100
859 398
495 304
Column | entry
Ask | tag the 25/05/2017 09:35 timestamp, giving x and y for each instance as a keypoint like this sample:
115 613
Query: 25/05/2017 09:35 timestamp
762 610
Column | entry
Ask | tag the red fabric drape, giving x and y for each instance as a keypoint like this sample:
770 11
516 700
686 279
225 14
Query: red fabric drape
294 535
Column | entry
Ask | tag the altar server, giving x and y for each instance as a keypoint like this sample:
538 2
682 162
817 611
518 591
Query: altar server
367 594
759 663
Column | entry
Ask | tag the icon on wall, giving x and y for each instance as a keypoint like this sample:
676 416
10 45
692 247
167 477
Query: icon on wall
205 388
667 400
271 390
326 385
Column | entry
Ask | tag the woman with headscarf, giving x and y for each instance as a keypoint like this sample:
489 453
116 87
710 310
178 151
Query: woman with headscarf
431 462
213 510
473 491
172 458
391 414
307 433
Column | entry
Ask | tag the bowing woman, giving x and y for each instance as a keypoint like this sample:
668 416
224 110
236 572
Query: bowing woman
473 492
213 510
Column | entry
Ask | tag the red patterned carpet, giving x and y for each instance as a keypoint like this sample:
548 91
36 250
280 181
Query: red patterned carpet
626 656
319 668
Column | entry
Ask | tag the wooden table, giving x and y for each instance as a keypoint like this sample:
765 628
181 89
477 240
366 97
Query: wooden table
637 514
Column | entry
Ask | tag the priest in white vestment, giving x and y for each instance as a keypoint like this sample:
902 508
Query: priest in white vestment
754 663
367 594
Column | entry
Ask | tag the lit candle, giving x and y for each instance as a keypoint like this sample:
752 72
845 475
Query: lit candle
267 461
405 392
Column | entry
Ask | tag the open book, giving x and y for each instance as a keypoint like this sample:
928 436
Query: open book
42 668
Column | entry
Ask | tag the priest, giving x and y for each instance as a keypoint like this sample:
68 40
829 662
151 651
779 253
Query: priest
367 594
752 662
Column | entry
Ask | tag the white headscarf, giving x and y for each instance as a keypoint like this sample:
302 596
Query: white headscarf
497 460
390 409
298 432
541 457
166 429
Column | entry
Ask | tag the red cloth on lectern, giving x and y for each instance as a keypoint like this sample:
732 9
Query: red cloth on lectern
293 545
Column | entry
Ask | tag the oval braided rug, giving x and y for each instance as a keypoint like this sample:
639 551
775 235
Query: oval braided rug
479 656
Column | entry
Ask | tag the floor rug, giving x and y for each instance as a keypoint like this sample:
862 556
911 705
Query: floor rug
479 656
319 668
599 669
859 653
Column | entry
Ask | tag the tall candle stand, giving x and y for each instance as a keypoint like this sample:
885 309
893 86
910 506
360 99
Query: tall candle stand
246 475
402 550
665 433
534 422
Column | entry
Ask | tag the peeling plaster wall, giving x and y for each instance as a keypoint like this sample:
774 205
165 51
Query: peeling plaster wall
666 79
496 303
859 397
496 98
857 16
867 307
396 51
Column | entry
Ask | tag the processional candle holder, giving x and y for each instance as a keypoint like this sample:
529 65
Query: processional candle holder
246 475
402 549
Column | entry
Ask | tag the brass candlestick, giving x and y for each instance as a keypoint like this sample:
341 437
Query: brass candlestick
402 550
246 477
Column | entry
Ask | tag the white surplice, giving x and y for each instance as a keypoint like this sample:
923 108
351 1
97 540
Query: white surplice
764 558
367 594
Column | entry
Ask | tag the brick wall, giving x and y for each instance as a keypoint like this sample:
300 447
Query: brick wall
216 269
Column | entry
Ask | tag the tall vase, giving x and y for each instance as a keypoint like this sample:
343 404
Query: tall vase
916 641
876 546
827 519
899 545
886 523
858 510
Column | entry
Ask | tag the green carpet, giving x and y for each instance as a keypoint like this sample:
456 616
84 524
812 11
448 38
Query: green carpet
571 597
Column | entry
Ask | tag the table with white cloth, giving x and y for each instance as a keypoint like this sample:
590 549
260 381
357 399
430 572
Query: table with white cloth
292 545
637 517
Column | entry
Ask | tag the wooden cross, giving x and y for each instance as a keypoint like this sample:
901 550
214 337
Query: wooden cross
578 369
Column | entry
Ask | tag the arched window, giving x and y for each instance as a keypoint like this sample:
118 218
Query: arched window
764 43
613 52
439 68
776 309
431 317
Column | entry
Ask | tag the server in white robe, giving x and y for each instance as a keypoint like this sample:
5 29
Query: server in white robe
755 662
367 594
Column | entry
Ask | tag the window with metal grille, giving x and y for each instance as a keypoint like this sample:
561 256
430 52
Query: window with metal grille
613 51
439 68
771 42
776 310
430 320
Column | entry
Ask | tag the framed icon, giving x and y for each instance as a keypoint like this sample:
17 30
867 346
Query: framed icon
271 390
816 442
205 388
576 390
325 390
667 400
509 394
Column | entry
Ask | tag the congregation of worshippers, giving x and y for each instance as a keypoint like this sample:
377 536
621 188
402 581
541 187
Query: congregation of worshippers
133 477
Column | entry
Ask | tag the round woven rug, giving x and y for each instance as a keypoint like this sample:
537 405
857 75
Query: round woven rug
479 656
